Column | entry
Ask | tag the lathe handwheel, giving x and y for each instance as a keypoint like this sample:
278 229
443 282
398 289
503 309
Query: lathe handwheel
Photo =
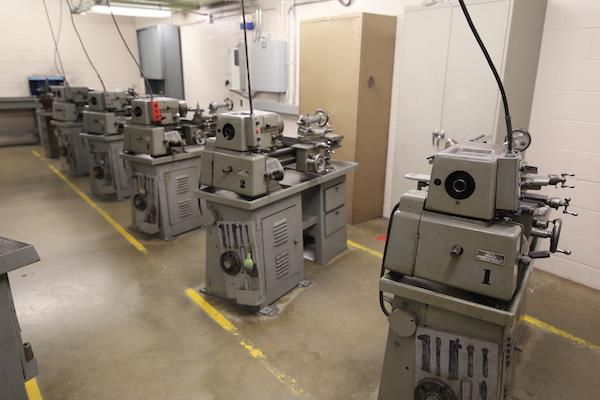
98 172
231 263
434 389
139 202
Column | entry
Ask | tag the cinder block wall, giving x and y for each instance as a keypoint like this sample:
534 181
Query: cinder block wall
565 125
27 47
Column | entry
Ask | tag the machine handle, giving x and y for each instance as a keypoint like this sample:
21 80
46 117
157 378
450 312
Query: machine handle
539 254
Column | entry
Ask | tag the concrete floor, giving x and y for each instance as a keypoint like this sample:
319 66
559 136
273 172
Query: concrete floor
107 322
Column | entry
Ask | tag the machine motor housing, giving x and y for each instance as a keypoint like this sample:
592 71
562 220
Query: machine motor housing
71 94
109 101
157 111
102 123
246 173
241 131
153 140
477 256
63 111
474 180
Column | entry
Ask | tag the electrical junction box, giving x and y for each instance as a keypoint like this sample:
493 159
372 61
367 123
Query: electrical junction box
268 66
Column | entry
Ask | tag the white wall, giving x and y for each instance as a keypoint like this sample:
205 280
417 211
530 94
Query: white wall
565 125
27 47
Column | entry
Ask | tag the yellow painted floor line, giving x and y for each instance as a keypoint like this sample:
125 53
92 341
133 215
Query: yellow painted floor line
559 332
527 318
107 217
33 390
38 154
252 350
366 249
118 227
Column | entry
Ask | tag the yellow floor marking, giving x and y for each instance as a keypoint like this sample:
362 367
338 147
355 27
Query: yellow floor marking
255 352
365 249
559 332
33 390
252 349
118 227
527 318
37 154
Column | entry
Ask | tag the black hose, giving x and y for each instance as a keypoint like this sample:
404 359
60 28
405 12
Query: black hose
55 40
129 50
382 272
247 58
507 117
83 47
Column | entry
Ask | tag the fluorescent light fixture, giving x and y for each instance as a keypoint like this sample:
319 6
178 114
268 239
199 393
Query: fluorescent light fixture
132 11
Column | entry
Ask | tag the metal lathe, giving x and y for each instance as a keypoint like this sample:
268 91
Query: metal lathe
163 150
67 119
457 263
103 124
274 199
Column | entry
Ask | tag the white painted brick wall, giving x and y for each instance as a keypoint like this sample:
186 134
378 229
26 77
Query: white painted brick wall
565 125
27 47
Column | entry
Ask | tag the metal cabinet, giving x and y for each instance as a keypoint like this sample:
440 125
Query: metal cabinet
160 58
446 89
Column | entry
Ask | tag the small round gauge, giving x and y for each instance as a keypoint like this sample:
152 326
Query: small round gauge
521 140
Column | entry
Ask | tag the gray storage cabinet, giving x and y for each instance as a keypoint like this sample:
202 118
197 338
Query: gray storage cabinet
160 58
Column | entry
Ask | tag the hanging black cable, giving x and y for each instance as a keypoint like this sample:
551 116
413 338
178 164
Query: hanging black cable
382 272
129 50
507 117
83 47
60 70
247 58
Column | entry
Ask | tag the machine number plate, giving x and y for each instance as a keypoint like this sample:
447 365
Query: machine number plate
490 257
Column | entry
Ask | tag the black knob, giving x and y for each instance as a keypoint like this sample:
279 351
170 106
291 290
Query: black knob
456 251
139 202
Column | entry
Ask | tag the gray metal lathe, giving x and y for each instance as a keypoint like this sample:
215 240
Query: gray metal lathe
163 151
67 108
103 124
458 260
273 199
43 116
17 363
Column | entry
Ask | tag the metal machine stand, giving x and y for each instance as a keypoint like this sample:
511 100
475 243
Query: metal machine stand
109 174
47 137
449 342
17 363
163 192
73 154
255 247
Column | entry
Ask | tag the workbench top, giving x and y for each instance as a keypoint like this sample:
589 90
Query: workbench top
294 182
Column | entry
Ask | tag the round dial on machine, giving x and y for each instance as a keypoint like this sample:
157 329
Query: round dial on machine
521 140
231 263
434 389
228 131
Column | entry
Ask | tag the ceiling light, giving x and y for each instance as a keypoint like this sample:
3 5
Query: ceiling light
132 11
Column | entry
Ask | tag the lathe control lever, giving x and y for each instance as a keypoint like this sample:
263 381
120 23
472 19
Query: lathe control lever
537 182
556 203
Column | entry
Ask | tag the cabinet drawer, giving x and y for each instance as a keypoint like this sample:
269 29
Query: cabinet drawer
335 220
335 196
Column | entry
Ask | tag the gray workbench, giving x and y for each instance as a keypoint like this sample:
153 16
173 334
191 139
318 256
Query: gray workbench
17 364
147 159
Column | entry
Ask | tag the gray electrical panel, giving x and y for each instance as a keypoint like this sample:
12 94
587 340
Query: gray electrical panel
268 64
160 58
